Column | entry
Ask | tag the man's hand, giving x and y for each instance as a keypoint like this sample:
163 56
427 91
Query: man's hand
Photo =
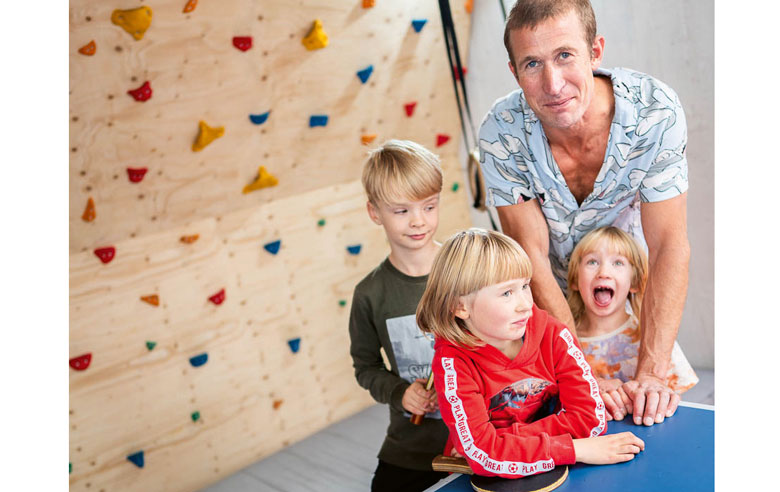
418 401
616 400
653 400
605 450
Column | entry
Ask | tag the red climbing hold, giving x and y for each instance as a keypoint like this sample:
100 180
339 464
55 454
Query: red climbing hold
81 362
457 74
136 174
218 298
442 139
242 42
410 108
142 93
106 254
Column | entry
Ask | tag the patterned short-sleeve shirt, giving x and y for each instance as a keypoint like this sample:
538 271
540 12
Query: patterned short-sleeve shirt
644 162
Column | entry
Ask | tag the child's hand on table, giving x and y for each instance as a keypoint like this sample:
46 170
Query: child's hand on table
417 400
616 400
605 450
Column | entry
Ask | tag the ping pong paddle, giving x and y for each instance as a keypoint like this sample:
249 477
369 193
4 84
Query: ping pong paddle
541 482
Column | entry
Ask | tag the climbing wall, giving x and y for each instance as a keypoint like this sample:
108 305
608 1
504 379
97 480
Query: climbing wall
218 224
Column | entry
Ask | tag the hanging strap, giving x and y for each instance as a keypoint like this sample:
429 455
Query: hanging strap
459 85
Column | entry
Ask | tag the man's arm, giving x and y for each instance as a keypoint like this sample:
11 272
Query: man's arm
525 224
665 229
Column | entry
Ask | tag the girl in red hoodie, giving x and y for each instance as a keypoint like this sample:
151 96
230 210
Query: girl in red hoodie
513 386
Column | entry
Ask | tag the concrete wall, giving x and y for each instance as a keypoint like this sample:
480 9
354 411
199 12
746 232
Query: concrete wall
673 41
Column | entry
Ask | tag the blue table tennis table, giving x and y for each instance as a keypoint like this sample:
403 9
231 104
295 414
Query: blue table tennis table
679 455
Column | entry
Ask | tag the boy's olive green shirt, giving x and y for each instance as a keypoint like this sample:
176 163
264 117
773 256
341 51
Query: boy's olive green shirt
383 316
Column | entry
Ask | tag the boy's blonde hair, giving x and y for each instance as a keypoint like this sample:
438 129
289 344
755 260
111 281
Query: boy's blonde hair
401 170
467 262
619 242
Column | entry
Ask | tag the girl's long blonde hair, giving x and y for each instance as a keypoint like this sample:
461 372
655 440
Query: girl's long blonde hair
619 242
467 262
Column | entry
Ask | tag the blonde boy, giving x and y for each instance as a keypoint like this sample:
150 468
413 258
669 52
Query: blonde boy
403 181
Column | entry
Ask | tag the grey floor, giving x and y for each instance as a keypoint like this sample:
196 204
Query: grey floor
342 457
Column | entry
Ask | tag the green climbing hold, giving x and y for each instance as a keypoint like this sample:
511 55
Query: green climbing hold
321 222
342 303
150 345
195 416
455 186
70 468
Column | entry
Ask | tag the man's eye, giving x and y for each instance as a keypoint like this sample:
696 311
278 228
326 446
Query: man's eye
565 55
532 64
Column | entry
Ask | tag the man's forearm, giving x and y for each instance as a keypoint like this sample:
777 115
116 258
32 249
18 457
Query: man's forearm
547 293
662 307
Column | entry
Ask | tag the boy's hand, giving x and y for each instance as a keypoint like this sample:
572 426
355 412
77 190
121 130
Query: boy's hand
605 450
652 399
616 400
418 401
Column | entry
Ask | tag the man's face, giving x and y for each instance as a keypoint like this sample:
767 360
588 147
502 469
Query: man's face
554 66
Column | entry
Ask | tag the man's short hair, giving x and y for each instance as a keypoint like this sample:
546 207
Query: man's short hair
529 13
400 170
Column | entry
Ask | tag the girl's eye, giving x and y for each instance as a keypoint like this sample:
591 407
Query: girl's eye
526 286
507 293
590 262
619 263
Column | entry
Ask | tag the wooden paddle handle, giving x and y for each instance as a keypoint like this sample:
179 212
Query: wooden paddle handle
451 464
418 419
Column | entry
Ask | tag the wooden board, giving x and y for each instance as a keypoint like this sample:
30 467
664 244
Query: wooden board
254 394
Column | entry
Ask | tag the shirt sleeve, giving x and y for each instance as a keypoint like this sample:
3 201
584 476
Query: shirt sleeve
489 451
503 160
664 121
370 370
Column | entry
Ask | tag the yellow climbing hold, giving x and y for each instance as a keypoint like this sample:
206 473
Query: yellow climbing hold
264 180
206 135
134 21
316 38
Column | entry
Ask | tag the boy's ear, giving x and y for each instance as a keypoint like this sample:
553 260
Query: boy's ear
461 310
373 213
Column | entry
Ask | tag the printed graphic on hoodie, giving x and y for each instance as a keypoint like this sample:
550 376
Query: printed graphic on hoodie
413 351
526 400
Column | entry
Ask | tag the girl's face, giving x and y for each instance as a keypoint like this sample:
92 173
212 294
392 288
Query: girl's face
604 281
498 314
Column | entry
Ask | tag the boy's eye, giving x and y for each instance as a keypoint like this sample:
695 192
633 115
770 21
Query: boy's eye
430 207
402 211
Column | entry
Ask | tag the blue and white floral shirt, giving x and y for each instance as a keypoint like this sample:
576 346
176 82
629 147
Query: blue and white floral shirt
645 162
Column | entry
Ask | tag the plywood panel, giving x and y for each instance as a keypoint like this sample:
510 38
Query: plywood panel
254 394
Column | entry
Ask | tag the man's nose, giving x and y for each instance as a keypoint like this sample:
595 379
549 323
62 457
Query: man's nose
553 79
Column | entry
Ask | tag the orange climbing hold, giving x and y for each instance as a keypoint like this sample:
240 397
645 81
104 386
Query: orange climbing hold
88 49
316 38
367 4
206 135
190 6
264 180
469 5
189 239
152 299
277 404
367 139
89 211
134 21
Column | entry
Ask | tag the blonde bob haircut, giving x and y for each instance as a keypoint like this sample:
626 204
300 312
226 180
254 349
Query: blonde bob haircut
618 242
400 170
467 262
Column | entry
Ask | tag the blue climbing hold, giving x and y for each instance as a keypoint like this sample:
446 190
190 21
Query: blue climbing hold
418 24
318 120
353 250
199 360
273 246
259 119
137 459
295 344
364 74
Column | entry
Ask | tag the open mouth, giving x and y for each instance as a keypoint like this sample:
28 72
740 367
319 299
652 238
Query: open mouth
603 296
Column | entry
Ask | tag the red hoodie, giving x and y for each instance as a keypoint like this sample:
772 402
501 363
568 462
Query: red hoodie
518 417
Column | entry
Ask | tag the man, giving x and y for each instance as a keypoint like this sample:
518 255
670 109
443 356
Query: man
578 147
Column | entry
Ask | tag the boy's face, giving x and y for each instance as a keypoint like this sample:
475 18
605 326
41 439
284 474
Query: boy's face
498 314
409 225
604 281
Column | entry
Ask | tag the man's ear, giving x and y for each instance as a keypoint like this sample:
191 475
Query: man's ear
461 310
512 69
373 213
597 52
